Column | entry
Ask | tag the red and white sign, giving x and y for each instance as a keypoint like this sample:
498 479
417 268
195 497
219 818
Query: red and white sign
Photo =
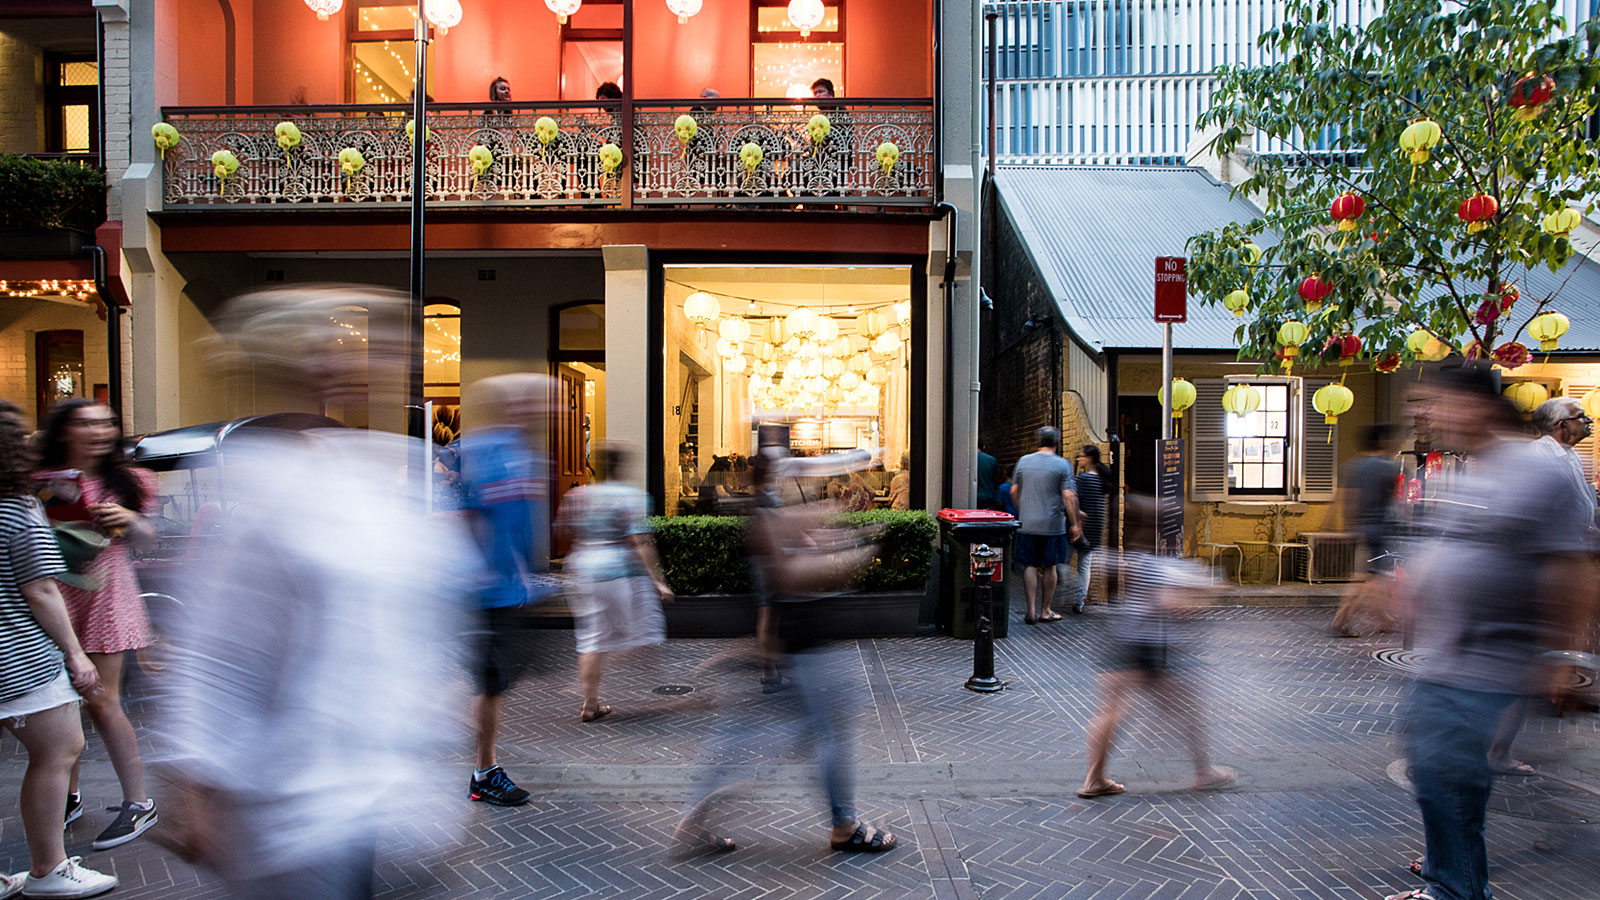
1172 289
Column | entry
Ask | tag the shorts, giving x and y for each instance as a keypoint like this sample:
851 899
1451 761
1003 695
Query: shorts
1036 551
58 692
1140 656
498 649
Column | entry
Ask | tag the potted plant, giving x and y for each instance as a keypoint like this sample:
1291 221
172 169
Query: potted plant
48 208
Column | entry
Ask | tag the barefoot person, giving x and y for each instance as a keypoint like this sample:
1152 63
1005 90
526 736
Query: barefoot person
42 671
1148 652
81 445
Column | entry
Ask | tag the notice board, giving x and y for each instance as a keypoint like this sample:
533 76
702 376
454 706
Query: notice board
1169 497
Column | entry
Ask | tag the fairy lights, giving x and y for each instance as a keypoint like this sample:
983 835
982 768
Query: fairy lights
49 288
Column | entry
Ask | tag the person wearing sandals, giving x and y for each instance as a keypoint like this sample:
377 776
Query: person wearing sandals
1042 488
617 585
790 560
42 671
81 444
1147 651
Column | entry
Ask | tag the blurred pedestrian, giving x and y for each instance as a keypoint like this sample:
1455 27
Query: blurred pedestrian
43 670
617 584
900 485
795 557
1366 487
305 684
1047 507
81 465
1092 484
1481 644
507 499
1149 650
988 475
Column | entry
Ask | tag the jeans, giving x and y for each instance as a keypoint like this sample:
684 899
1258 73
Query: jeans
1080 566
1448 741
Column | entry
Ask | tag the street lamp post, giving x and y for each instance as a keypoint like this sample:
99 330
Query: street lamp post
415 426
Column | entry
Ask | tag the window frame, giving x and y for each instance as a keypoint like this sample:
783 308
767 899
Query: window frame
822 37
353 35
57 97
1291 475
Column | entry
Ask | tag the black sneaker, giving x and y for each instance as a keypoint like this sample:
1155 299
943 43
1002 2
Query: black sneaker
496 789
74 809
131 822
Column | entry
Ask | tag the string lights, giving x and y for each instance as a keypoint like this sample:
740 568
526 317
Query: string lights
67 288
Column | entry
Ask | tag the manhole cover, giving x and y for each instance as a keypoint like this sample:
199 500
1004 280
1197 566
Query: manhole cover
674 689
1538 798
1410 661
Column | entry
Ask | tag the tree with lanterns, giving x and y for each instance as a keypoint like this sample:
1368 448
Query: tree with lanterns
1433 157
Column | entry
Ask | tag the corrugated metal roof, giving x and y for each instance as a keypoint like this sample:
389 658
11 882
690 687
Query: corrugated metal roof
1095 233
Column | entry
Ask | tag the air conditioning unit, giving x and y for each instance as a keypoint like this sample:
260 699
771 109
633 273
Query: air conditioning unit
1329 556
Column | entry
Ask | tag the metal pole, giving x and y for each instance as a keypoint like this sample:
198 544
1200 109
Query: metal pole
983 563
415 426
991 17
1166 380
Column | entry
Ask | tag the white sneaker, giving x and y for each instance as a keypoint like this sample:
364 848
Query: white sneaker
69 880
11 885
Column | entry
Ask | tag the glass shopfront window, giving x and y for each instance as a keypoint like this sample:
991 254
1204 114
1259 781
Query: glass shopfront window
824 352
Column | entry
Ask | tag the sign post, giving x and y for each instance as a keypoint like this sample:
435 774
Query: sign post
1172 305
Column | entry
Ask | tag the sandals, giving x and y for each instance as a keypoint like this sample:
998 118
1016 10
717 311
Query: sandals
1220 779
866 839
1105 789
1515 768
598 712
703 841
1052 616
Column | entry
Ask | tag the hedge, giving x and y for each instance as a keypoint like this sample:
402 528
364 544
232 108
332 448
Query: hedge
706 554
43 194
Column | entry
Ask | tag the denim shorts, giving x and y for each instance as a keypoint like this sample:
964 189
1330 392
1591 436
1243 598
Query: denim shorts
1037 551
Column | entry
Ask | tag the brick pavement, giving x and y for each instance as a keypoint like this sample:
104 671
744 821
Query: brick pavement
979 787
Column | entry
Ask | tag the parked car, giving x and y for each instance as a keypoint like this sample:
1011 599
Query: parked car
191 470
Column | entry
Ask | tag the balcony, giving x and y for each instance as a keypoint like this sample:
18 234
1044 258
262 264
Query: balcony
871 153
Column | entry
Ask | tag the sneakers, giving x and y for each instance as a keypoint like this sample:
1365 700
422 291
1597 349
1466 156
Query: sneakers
69 880
131 822
496 789
74 811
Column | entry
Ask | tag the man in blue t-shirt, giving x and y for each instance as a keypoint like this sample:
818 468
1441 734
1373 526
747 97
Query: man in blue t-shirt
1047 507
506 491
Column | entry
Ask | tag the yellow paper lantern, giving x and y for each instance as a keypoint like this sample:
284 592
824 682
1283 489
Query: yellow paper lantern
1423 345
1547 328
850 381
1418 138
871 323
841 347
1332 400
802 323
1291 335
1241 399
878 375
833 367
702 309
1563 221
1182 397
861 364
814 367
902 313
1527 395
806 350
1236 301
1251 252
734 364
827 329
734 328
763 351
776 332
728 349
1591 403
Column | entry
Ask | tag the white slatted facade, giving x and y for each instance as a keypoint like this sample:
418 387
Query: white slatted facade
1087 379
1121 82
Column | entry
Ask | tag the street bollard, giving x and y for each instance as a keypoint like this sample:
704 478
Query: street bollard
985 561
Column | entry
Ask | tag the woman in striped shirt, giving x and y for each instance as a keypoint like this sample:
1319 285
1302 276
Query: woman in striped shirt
42 671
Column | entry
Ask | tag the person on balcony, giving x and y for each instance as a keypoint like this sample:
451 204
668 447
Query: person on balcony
608 90
500 90
833 158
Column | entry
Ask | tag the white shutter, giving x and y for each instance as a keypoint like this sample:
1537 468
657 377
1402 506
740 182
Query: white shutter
1319 448
1208 441
1586 447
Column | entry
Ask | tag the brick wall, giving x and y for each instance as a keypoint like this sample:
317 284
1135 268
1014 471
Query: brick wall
117 113
21 96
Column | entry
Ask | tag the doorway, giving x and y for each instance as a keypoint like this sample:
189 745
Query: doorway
578 362
1139 423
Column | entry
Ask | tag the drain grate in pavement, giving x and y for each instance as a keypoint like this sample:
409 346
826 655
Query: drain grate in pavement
674 689
1411 661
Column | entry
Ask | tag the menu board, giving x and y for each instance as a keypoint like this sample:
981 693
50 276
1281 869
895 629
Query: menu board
1169 498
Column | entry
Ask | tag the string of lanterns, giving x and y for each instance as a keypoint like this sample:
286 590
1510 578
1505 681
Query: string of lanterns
803 359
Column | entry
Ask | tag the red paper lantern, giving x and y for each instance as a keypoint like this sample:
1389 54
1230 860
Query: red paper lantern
1488 312
1508 298
1347 208
1389 363
1512 354
1314 290
1476 211
1349 347
1529 95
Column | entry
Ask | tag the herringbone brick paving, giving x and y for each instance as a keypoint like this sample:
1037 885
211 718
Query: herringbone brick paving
978 787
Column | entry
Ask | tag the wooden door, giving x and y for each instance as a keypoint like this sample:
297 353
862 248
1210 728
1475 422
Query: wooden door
571 438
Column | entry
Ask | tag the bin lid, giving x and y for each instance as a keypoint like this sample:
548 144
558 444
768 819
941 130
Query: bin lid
976 516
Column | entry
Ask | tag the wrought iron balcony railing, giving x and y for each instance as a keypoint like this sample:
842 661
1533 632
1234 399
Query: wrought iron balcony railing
842 152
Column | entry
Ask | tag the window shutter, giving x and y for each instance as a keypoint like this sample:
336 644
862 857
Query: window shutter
1585 447
1319 447
1208 441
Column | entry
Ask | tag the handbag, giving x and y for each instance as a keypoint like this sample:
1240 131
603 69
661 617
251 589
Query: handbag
80 543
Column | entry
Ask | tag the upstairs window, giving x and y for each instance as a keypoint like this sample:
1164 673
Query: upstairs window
72 116
784 64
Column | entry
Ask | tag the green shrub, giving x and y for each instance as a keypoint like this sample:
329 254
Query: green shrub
706 554
43 194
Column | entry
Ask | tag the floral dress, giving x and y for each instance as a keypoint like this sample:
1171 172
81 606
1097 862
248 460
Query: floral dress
112 619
